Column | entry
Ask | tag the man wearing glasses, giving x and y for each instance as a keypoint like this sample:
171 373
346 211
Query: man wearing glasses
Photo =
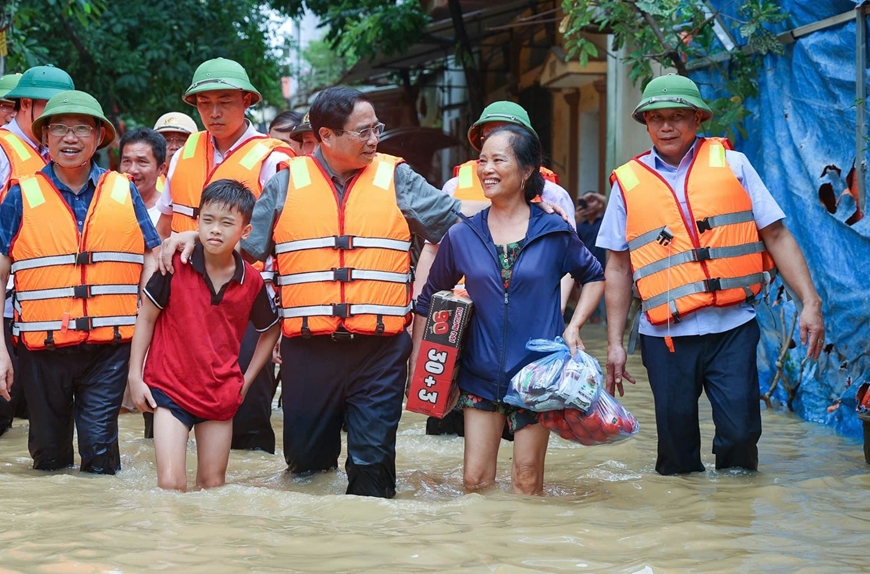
79 240
22 153
340 225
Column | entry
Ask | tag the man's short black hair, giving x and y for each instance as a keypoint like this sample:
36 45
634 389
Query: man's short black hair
230 194
332 107
286 121
148 136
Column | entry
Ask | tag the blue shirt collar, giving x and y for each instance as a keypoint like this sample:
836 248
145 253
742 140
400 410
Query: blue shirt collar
660 164
93 178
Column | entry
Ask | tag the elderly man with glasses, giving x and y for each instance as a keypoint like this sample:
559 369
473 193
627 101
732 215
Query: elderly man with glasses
79 240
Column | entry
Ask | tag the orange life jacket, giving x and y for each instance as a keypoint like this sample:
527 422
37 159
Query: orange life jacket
23 159
720 262
194 171
469 188
73 287
161 183
343 265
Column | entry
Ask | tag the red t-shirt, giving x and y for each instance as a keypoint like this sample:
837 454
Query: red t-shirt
194 354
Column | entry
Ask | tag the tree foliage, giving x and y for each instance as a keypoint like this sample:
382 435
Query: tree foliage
362 29
321 67
138 58
679 34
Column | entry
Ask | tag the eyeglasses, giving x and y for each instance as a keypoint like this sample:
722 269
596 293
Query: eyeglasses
366 133
60 130
179 141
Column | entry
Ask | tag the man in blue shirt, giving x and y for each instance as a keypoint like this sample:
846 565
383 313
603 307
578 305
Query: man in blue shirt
79 240
712 346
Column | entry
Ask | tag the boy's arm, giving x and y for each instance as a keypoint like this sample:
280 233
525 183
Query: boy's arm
262 353
149 266
142 334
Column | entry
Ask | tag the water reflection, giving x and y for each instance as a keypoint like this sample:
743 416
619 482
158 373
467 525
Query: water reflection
605 510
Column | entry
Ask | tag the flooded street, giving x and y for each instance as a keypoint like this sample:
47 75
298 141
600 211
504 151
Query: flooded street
605 510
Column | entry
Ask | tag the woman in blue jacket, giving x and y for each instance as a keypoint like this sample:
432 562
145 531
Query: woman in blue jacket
512 255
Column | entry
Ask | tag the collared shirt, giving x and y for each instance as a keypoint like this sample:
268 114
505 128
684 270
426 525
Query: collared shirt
267 170
79 201
764 209
5 165
428 211
553 194
263 314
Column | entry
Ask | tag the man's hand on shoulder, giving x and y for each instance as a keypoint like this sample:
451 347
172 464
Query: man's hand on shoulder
183 242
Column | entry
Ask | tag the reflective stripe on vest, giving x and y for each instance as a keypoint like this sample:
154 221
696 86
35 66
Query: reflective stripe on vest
680 266
194 171
64 297
23 159
345 311
343 266
83 324
342 242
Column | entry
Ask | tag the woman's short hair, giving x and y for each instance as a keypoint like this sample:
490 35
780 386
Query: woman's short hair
526 147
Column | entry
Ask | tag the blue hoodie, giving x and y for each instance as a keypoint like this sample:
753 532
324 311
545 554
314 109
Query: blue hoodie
502 322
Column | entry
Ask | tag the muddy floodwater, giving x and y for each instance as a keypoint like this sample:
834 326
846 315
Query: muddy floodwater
605 510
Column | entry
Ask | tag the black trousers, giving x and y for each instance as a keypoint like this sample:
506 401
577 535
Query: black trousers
252 425
362 382
723 366
81 385
17 406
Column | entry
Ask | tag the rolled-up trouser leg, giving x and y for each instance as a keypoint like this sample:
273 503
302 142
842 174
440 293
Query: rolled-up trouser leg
47 378
98 393
731 384
252 426
374 407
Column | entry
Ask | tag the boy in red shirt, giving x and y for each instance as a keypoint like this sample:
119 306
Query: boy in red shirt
193 321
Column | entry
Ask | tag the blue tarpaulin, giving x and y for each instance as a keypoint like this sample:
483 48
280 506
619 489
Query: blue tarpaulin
801 137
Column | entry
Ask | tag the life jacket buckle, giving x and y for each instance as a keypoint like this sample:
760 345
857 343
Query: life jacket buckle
665 236
702 253
704 225
82 292
343 242
343 274
711 285
84 258
341 310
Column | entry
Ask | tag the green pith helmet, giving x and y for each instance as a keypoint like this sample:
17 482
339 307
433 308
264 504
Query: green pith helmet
671 91
7 83
220 74
503 111
74 102
41 83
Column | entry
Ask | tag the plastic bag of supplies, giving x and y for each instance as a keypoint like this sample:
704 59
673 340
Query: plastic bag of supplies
607 422
556 381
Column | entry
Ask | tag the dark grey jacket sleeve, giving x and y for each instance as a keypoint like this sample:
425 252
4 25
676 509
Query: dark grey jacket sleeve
268 208
429 211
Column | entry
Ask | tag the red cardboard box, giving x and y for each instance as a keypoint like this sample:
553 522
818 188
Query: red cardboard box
433 390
